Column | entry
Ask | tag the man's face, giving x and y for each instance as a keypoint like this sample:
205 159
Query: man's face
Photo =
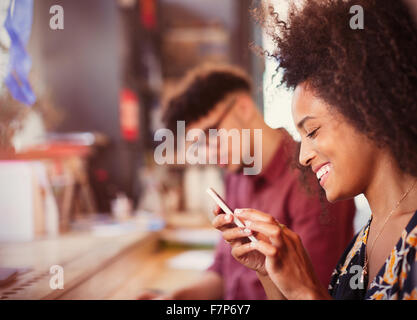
223 117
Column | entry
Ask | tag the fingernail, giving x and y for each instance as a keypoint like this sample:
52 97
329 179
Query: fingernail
238 211
248 223
246 230
252 244
228 217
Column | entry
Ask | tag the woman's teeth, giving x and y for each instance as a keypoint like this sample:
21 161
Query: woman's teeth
323 170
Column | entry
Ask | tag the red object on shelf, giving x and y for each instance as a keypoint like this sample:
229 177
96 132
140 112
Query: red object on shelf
148 13
129 115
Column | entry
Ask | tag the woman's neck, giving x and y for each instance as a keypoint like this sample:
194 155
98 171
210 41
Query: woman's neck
388 186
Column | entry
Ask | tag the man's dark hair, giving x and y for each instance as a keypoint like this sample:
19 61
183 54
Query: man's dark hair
201 90
368 75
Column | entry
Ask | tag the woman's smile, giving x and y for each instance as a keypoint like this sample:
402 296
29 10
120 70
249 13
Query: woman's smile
322 172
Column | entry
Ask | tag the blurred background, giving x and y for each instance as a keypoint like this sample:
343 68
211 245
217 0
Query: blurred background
99 84
78 184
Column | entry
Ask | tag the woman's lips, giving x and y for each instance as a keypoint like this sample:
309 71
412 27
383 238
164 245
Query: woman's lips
323 179
323 173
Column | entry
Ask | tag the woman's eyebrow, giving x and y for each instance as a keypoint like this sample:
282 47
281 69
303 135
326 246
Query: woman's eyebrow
301 123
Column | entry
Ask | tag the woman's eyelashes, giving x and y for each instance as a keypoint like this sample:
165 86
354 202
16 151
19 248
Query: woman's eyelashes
312 133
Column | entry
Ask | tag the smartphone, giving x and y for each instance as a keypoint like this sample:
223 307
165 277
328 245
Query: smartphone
227 210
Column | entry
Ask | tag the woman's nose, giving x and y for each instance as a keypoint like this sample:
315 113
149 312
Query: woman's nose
306 154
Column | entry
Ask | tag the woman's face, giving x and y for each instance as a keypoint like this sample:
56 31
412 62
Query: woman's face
342 158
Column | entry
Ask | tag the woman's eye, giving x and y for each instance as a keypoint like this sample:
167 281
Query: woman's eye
312 134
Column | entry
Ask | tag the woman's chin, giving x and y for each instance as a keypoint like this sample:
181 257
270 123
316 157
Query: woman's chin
330 197
333 196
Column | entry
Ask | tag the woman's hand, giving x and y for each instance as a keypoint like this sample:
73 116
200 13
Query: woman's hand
278 253
238 237
286 261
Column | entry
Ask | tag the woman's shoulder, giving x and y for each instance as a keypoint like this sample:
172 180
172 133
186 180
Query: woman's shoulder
398 278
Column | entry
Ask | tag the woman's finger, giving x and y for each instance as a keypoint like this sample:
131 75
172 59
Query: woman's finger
222 221
235 233
238 251
217 210
265 248
271 231
254 215
262 246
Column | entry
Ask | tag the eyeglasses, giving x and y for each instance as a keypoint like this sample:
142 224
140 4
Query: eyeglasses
226 111
216 125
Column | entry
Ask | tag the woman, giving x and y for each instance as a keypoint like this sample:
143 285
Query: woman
355 107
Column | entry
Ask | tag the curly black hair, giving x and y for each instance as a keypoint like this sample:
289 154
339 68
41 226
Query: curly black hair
201 90
368 75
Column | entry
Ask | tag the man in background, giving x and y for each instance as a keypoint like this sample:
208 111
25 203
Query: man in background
212 97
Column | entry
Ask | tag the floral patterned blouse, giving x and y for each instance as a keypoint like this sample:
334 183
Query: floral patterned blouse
396 280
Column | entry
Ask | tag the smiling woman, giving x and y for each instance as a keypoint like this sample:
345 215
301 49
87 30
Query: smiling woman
330 145
364 74
355 108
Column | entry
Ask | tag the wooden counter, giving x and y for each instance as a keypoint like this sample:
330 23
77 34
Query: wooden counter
95 267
